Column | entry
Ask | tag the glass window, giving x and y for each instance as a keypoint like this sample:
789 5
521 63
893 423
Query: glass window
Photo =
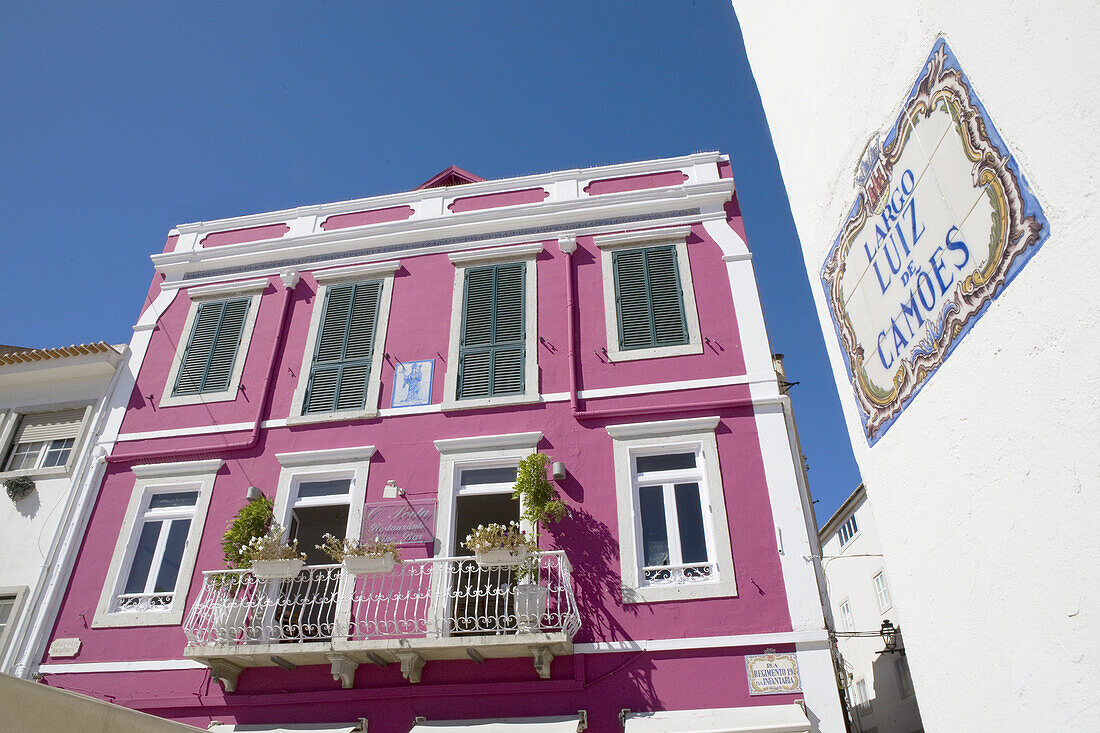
882 592
7 603
158 550
675 547
848 530
846 616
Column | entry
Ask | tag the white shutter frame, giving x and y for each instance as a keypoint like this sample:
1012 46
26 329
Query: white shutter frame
45 426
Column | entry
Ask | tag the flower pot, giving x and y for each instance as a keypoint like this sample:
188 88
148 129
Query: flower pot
369 565
501 557
228 620
530 606
276 569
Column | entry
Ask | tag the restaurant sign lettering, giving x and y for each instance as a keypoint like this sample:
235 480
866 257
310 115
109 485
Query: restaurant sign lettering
403 522
943 220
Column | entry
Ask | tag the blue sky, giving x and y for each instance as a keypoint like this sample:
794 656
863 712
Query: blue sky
121 120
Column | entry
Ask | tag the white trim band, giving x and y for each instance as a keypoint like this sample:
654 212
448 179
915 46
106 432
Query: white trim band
242 287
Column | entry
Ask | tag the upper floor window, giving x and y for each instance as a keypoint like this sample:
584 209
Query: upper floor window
649 300
11 601
493 359
42 442
846 616
154 557
210 357
342 364
881 592
848 530
673 532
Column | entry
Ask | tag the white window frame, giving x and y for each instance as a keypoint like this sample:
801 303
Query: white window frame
499 255
607 245
662 437
153 479
374 271
459 454
20 593
10 424
846 616
851 536
330 464
253 288
883 591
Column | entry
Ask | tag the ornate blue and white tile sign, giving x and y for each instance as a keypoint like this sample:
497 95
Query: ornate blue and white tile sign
942 222
412 383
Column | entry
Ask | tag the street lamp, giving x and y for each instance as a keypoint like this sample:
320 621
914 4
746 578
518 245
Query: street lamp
889 634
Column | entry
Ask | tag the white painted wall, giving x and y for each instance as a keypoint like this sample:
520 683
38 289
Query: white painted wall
986 487
849 574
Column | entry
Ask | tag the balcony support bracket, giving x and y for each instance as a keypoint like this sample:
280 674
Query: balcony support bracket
542 656
411 664
225 672
343 669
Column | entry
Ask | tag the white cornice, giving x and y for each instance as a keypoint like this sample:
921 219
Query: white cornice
513 252
185 468
488 442
669 234
325 457
338 274
323 211
240 287
663 428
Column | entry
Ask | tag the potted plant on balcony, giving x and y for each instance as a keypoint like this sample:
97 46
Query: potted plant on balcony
362 558
272 557
499 545
19 487
233 594
541 504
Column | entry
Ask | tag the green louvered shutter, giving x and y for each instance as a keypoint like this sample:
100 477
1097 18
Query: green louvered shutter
649 299
491 354
212 349
341 361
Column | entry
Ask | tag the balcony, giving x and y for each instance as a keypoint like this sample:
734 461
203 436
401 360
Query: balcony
423 610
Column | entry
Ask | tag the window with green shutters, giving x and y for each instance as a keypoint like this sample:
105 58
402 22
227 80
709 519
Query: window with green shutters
207 364
340 373
648 298
492 350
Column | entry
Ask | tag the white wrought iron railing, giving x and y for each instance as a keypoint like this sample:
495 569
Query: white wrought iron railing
434 597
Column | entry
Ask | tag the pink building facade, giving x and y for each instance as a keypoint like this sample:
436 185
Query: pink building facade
379 367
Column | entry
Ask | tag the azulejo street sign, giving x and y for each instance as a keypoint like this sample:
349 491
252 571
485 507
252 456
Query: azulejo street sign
772 674
943 221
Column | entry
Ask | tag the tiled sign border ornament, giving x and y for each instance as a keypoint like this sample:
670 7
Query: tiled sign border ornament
1017 230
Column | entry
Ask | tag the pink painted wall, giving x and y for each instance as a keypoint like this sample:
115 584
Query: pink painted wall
493 200
635 183
239 236
361 218
405 453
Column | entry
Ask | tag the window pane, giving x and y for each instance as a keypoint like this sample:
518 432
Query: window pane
332 487
689 516
24 456
143 558
6 604
654 531
170 561
58 453
482 476
178 498
665 462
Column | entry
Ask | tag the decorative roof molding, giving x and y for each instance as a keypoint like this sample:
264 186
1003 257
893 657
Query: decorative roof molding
31 355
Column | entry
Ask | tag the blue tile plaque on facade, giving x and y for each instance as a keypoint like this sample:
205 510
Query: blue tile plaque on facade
942 222
412 383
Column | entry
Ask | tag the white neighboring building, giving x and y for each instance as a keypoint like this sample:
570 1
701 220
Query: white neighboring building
879 685
985 486
51 407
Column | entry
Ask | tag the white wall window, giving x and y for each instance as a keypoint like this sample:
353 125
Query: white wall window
41 443
673 532
881 592
210 355
846 616
341 374
649 299
154 559
11 605
862 700
493 355
848 530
